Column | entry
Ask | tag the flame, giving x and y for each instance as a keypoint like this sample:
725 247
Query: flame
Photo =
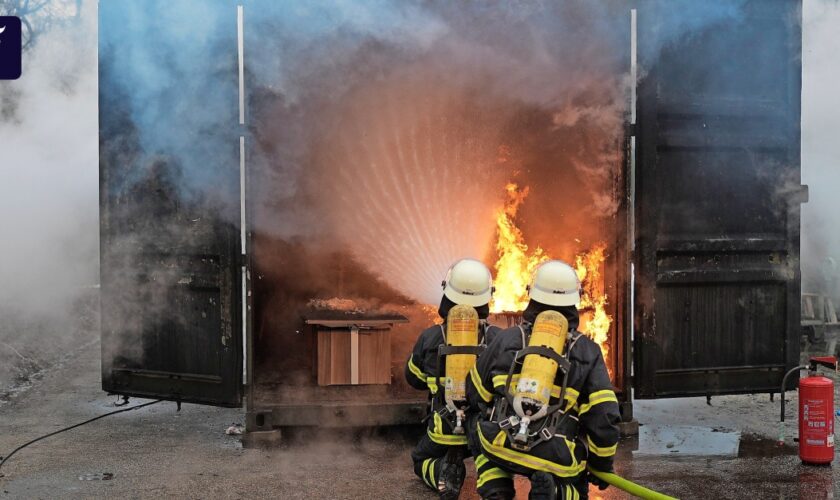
516 264
595 321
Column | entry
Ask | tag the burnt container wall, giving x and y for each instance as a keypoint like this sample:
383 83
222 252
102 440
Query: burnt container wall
718 193
169 243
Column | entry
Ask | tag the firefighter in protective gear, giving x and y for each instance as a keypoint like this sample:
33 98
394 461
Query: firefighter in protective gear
579 421
439 456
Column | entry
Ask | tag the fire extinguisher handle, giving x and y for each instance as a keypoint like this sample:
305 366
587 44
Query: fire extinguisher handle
824 361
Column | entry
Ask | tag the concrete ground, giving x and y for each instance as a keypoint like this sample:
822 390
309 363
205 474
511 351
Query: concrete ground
159 452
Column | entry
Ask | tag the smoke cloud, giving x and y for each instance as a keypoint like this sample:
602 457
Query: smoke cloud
386 130
393 136
48 201
390 128
820 149
48 170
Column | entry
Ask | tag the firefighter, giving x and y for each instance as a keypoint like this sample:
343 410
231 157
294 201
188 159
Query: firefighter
507 435
439 456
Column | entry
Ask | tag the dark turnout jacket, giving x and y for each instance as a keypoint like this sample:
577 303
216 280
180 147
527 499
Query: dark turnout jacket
421 371
589 397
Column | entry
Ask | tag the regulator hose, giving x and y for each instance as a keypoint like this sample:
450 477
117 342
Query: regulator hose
629 486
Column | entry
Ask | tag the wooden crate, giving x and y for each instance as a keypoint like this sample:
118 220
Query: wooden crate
350 356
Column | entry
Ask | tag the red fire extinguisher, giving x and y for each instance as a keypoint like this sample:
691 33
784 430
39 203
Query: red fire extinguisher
816 412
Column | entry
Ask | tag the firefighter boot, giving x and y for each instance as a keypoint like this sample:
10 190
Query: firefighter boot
452 474
542 487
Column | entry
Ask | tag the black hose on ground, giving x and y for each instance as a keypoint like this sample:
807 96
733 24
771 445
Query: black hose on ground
7 457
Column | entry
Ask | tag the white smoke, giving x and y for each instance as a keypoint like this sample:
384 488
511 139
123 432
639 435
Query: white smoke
820 147
48 170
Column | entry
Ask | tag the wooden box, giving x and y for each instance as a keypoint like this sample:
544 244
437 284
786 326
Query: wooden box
353 356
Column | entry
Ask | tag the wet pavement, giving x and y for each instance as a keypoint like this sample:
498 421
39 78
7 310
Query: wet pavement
157 451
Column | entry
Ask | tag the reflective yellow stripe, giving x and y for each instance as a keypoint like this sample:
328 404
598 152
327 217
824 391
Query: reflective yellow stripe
606 394
432 383
415 369
497 449
447 439
572 396
605 452
426 463
476 379
499 380
439 437
597 398
433 483
491 474
480 460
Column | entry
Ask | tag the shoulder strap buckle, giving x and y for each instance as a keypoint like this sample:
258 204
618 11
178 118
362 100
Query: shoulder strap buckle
546 434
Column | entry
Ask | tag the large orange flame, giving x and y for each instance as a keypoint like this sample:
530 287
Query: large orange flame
595 321
516 264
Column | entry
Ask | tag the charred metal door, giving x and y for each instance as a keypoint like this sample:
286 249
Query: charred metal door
717 197
170 128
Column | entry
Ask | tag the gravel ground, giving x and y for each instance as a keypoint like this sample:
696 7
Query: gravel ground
158 451
32 343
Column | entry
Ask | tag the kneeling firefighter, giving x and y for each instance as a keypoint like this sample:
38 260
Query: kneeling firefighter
440 363
541 399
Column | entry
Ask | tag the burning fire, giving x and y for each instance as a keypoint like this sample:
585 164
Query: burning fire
516 264
595 321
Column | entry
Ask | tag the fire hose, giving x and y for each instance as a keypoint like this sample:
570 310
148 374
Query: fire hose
629 486
5 459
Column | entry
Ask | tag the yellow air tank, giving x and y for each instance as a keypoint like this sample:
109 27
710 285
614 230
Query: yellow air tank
461 330
533 391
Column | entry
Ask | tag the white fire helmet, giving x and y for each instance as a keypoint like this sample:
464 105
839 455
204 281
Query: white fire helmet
555 283
468 282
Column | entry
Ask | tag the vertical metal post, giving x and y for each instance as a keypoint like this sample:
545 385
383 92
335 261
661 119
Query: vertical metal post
243 227
240 46
627 411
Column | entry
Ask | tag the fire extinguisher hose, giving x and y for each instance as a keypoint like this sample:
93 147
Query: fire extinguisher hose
629 486
782 394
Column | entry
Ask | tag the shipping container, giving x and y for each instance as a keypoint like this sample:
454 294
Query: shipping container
259 192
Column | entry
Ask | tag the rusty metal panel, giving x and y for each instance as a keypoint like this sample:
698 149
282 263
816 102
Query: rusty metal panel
717 201
170 249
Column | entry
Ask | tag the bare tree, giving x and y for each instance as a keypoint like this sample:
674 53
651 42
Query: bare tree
38 16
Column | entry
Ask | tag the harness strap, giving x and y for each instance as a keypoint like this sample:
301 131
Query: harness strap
555 415
546 353
447 350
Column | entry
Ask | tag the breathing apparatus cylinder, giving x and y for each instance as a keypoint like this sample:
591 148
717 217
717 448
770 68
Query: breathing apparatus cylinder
536 379
462 326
